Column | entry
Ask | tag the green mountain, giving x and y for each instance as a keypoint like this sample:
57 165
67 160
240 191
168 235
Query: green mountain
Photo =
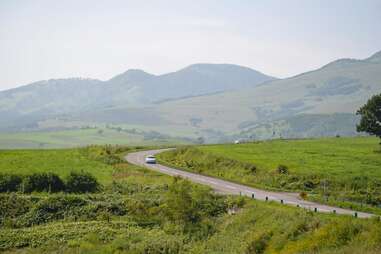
29 104
334 91
215 102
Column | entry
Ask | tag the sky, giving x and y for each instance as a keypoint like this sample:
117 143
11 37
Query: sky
44 39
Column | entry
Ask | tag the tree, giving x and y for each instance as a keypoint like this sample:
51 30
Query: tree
9 182
81 182
48 182
371 116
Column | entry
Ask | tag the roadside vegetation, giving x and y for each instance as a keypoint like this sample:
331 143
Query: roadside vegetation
339 171
140 211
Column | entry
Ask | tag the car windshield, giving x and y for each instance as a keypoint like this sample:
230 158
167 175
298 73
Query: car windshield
151 157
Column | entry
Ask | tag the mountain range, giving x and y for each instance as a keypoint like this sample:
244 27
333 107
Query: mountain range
217 102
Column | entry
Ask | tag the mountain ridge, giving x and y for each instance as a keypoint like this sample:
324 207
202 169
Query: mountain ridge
133 88
218 102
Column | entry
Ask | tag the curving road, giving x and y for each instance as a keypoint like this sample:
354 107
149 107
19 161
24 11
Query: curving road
226 187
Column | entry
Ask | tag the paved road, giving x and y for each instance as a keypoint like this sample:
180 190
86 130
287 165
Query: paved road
226 187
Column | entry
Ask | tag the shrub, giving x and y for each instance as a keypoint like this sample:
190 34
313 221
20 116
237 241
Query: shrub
309 185
251 167
12 206
303 195
282 169
259 243
49 182
53 208
9 183
81 183
107 154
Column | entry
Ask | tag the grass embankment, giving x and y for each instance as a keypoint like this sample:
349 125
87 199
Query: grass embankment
83 137
341 171
141 211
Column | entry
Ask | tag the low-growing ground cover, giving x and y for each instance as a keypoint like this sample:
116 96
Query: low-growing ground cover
341 171
83 137
60 162
257 227
141 211
329 157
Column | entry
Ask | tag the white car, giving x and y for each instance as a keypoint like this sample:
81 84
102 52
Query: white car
150 159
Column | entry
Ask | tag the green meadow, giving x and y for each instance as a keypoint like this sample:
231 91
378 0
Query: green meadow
83 137
338 171
59 161
142 211
328 157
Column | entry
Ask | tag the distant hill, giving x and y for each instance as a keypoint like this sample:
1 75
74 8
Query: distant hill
133 88
330 94
200 79
218 102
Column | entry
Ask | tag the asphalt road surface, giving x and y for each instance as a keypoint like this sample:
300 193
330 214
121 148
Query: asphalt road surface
226 187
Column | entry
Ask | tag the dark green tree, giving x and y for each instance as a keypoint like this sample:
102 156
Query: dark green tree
81 182
370 113
9 183
48 182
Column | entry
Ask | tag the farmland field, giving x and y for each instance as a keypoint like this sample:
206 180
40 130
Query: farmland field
329 157
339 171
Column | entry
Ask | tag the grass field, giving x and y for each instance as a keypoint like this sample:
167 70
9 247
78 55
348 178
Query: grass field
76 138
338 171
59 161
328 157
141 211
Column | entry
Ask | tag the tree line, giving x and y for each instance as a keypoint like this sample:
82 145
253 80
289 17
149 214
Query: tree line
75 182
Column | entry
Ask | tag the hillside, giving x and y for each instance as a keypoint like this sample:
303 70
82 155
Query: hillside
27 105
214 102
336 91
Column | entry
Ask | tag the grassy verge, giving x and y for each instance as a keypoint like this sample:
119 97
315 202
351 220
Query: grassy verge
347 173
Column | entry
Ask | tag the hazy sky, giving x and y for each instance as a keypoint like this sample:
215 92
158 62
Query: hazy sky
99 39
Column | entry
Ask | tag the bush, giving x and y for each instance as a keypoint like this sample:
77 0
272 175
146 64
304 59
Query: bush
12 206
258 243
282 169
303 195
53 208
48 182
309 185
81 183
9 183
107 154
251 167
